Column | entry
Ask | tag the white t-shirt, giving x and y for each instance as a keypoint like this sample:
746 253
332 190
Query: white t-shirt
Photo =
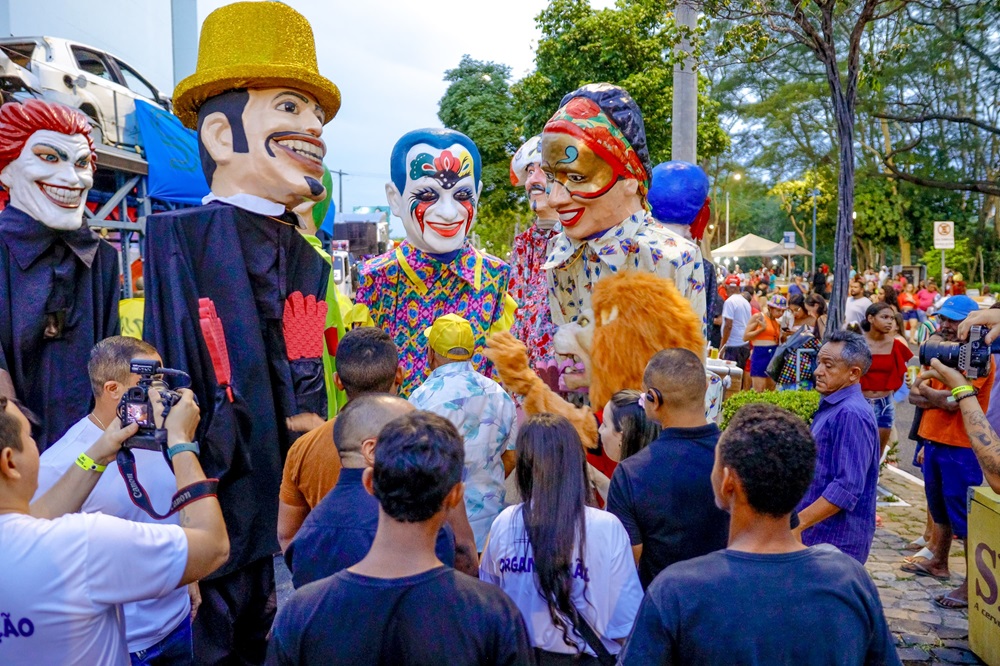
854 313
738 309
608 570
150 621
64 579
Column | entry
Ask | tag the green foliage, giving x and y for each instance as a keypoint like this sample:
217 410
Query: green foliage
630 46
803 404
960 259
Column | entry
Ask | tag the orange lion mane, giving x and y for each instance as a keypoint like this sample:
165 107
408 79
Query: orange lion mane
636 315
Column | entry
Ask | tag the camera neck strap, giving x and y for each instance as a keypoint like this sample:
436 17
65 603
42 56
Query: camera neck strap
183 497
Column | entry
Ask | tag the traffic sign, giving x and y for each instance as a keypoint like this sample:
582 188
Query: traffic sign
789 240
944 235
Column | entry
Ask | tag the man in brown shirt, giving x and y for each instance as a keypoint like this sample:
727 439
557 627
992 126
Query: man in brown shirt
367 362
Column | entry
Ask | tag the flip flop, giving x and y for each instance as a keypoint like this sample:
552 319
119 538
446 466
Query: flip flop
950 603
920 569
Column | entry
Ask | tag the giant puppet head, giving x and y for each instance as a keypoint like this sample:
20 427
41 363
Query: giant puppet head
47 161
435 188
595 157
526 171
678 196
259 104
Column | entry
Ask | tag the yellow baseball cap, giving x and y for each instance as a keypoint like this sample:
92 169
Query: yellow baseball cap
451 336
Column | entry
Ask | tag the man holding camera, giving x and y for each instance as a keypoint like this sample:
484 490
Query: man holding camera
67 572
950 466
157 630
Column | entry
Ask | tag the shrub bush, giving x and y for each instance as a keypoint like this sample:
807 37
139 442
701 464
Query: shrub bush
801 403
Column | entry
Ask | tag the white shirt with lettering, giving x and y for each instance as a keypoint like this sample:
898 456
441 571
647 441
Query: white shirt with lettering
64 582
606 574
149 621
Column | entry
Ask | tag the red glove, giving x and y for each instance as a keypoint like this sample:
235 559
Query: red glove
303 324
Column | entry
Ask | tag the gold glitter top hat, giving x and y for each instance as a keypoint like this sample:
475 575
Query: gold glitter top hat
254 45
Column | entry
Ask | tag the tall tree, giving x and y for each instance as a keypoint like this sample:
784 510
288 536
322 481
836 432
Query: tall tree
629 45
833 32
479 103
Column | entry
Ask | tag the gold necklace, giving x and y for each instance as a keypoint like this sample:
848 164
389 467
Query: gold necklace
101 423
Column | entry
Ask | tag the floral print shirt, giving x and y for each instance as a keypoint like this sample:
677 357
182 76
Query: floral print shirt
406 289
486 418
638 243
533 324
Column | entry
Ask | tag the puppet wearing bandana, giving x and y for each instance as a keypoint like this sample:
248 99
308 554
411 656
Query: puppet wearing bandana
596 161
533 324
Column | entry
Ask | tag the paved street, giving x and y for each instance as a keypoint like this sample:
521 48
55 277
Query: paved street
924 633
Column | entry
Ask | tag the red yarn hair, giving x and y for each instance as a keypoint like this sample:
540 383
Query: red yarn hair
18 121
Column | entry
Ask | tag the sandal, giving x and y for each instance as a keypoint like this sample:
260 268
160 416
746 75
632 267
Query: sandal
950 603
924 555
921 569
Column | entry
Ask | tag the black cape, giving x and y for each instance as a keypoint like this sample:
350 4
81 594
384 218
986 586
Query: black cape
66 282
248 264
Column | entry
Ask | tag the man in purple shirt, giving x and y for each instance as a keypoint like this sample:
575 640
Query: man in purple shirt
839 507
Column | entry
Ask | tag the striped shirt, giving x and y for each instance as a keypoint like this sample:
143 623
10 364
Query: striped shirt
847 456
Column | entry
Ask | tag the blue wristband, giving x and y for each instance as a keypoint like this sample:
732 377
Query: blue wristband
179 448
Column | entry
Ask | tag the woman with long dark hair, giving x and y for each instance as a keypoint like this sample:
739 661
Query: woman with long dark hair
886 374
625 430
816 307
562 562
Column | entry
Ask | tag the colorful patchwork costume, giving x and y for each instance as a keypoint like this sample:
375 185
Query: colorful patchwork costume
407 289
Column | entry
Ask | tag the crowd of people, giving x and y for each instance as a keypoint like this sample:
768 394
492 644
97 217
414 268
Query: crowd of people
412 511
893 316
435 498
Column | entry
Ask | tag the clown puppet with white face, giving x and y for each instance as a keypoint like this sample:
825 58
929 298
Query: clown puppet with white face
58 279
435 191
533 324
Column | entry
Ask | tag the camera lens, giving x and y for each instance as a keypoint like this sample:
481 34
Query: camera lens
946 352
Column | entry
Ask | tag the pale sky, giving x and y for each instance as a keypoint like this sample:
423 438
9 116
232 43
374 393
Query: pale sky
388 58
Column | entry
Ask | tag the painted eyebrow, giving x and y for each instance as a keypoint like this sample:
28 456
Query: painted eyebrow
59 151
292 93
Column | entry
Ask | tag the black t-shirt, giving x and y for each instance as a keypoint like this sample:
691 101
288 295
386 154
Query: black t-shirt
437 617
663 496
813 606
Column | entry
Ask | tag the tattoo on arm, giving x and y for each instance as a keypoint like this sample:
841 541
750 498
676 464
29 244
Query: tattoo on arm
985 442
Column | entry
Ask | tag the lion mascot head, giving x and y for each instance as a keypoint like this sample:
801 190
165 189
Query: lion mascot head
635 314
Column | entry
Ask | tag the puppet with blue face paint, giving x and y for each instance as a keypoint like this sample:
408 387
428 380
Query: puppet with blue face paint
435 190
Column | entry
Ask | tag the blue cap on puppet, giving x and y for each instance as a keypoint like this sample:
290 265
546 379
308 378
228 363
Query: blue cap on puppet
677 192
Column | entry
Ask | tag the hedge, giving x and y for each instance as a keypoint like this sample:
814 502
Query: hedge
802 403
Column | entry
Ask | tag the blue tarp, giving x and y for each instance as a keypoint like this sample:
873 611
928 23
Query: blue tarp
172 153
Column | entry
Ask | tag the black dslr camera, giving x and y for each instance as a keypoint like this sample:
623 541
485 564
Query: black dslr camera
136 407
971 358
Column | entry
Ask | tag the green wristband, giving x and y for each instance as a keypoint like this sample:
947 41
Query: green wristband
180 448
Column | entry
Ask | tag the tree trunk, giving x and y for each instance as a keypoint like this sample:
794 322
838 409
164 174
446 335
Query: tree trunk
845 191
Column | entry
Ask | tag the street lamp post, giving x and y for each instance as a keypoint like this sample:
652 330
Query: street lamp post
736 177
815 194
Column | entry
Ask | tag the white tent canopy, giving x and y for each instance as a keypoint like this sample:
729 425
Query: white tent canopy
750 245
753 245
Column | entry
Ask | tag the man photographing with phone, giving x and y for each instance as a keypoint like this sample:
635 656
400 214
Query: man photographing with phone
69 572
